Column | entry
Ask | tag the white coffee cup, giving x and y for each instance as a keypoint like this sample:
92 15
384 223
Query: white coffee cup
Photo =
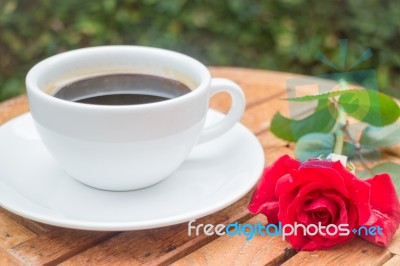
132 146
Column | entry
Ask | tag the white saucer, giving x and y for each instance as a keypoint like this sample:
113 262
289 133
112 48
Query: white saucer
215 175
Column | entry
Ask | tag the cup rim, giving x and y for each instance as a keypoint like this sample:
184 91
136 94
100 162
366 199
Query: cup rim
37 70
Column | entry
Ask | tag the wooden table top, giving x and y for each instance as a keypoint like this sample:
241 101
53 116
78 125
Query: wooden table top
27 242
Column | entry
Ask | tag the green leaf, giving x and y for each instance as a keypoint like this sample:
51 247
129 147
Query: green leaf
319 144
392 169
349 149
322 104
322 120
370 153
370 106
323 96
381 136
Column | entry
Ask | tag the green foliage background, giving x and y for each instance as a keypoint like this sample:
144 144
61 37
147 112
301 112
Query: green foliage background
280 35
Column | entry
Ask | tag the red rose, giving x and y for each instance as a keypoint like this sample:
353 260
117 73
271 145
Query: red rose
322 191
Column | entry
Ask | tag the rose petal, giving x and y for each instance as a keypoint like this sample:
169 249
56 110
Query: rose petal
270 210
286 208
348 215
290 203
289 217
264 199
386 208
316 163
302 215
384 197
301 177
358 189
291 211
359 193
322 203
286 186
301 242
342 217
321 215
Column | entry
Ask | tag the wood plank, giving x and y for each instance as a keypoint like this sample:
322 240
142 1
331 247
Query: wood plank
272 155
394 261
57 245
12 233
12 108
257 87
158 246
7 259
222 101
272 143
394 246
258 117
236 250
264 80
254 77
35 227
264 93
356 252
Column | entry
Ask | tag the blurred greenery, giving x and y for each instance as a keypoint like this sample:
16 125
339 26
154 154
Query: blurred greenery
283 35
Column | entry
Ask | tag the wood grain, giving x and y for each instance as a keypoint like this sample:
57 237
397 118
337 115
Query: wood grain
255 90
57 245
236 250
162 245
394 261
13 108
7 259
356 252
394 246
36 227
12 233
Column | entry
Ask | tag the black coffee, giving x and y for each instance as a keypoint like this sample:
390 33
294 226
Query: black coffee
122 89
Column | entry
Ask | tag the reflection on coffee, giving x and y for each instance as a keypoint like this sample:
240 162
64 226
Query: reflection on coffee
122 89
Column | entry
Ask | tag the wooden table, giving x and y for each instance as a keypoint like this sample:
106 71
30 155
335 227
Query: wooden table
26 242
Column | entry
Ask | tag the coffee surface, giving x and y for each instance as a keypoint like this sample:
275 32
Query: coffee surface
122 89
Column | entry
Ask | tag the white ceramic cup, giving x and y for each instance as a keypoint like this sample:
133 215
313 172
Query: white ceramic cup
132 146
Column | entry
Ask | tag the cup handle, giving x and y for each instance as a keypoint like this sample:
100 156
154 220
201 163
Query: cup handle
234 114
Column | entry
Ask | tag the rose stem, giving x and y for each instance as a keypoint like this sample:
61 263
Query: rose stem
338 149
358 150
